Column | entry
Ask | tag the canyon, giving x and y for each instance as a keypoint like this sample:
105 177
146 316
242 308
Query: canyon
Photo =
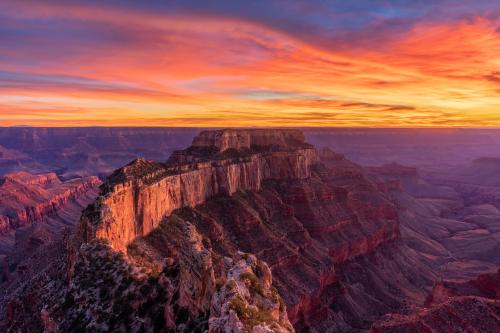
35 209
452 307
73 152
27 199
256 230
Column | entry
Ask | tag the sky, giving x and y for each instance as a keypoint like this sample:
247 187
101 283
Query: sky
199 63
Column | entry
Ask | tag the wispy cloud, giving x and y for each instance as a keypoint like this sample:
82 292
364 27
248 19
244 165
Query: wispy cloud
231 63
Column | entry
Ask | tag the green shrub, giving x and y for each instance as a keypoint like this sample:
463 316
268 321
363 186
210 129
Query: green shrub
249 316
239 306
254 282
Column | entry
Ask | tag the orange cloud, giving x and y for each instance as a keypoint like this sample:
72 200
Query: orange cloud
215 71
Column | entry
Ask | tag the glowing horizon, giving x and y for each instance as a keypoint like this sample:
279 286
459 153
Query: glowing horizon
279 64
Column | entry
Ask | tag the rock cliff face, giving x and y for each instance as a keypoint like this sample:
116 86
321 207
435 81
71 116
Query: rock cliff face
141 194
28 199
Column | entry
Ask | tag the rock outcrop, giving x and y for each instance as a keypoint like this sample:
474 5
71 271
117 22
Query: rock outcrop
250 139
138 196
247 302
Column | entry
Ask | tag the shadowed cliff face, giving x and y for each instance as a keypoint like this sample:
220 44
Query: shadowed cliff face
453 220
470 306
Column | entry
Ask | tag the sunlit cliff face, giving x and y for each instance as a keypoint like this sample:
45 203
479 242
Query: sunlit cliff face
253 63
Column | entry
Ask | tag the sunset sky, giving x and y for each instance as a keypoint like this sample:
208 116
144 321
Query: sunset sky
250 63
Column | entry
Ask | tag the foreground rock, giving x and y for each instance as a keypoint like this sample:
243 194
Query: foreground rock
247 301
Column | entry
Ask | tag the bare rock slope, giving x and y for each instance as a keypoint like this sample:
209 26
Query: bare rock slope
471 306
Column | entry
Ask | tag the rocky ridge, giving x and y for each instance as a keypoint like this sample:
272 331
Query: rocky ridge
138 196
470 306
247 301
28 199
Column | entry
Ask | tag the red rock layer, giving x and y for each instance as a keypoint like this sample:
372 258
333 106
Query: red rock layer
141 194
471 306
26 199
459 314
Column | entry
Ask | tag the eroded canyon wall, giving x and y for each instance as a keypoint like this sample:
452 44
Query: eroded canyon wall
139 195
28 199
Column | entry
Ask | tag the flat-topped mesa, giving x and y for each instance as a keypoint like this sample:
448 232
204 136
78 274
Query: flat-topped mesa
251 138
32 179
237 143
138 196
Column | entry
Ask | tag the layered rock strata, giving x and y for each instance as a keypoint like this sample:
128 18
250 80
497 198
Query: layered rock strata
28 199
160 249
470 306
140 194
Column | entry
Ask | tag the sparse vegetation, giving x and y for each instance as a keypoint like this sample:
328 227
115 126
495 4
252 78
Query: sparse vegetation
110 294
254 282
250 315
107 296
